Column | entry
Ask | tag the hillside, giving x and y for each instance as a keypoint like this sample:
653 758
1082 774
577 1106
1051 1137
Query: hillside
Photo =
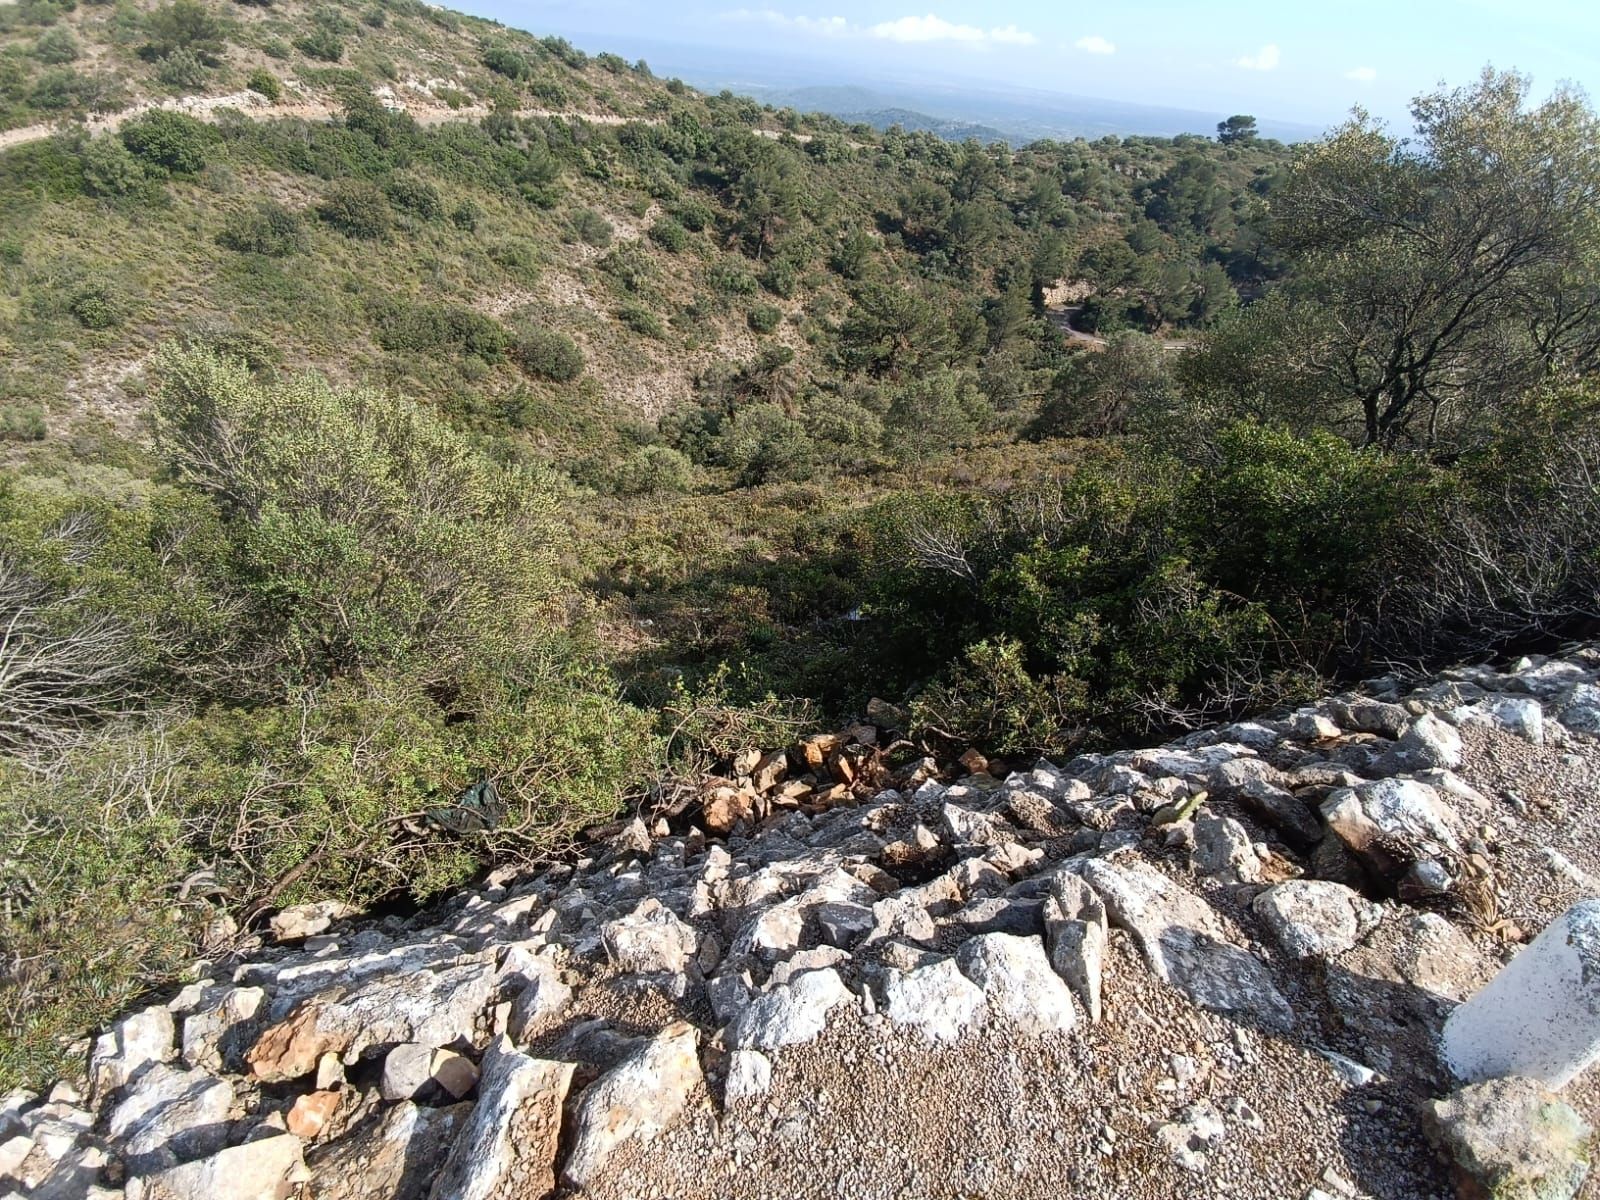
422 442
1219 964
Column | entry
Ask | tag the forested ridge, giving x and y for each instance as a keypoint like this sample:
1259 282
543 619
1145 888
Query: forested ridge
533 421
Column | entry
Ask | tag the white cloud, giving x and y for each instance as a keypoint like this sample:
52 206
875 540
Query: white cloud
822 26
1095 44
1265 59
1010 35
1362 74
929 28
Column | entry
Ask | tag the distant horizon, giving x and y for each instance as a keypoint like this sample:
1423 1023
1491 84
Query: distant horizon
1287 67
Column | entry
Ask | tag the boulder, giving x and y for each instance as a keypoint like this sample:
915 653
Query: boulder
132 1043
1183 941
394 1154
650 940
1222 849
168 1116
513 1131
1431 742
1390 825
1514 1139
1015 974
1313 918
792 1014
1075 932
749 1076
636 1100
935 999
265 1169
433 1008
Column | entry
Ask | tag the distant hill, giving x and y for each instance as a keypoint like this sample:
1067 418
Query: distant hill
916 122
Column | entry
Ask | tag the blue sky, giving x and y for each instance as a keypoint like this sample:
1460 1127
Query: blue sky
1297 61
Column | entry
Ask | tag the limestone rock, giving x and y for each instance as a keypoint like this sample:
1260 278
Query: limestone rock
1431 742
513 1129
1312 918
217 1030
936 999
133 1043
636 1100
434 1008
1222 848
395 1154
1016 975
541 1001
266 1169
792 1014
1392 824
1075 932
749 1076
1189 1140
650 940
1514 1140
1184 943
308 920
169 1116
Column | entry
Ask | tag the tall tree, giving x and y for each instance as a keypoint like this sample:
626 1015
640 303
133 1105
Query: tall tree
1443 276
1237 128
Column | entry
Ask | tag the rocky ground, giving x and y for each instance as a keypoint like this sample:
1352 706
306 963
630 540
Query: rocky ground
1214 968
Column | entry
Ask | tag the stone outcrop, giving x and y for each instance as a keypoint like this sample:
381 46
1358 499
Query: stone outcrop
1322 881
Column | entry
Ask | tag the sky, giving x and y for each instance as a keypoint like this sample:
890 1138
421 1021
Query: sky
1291 59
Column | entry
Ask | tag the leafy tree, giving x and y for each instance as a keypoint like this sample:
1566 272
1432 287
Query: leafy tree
1124 385
171 142
357 209
1236 129
109 169
1447 274
183 25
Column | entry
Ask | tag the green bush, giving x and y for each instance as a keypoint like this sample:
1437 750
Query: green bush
182 71
170 142
415 195
56 47
466 216
653 470
96 306
264 83
669 235
109 169
589 226
546 353
357 209
183 25
642 321
764 318
22 423
694 215
403 327
730 277
321 44
502 60
269 228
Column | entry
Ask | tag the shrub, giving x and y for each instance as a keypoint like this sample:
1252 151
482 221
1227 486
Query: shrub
503 60
169 141
729 277
109 169
269 228
183 25
22 423
466 215
96 306
321 44
422 328
651 470
694 215
762 444
642 321
56 47
589 226
764 318
415 195
547 353
781 277
669 235
181 70
264 83
357 209
374 18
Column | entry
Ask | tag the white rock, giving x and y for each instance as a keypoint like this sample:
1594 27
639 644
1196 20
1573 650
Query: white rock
1184 942
1392 823
636 1100
1538 1017
936 999
1016 975
134 1042
168 1116
1075 931
650 940
265 1169
1222 848
513 1130
540 1003
792 1014
221 1020
1189 1140
1313 918
749 1076
1431 742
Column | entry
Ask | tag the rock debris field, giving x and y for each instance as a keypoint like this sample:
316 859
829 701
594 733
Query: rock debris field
1216 968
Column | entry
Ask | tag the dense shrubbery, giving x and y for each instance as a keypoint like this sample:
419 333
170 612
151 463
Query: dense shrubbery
546 353
268 229
357 209
354 574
